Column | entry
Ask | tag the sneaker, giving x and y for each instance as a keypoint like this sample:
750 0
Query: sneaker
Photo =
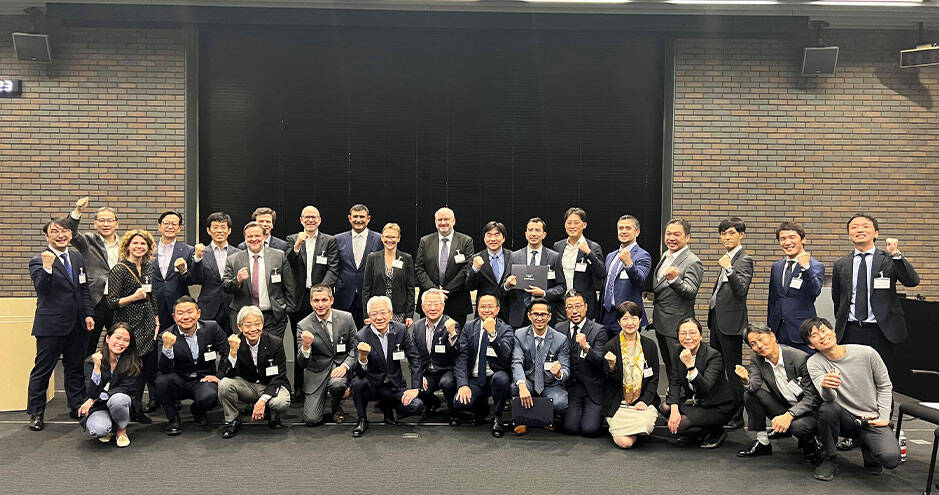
826 470
122 440
106 438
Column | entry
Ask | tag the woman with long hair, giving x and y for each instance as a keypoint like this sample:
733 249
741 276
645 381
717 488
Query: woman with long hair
110 382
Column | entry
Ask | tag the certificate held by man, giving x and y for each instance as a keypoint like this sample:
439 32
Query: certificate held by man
530 276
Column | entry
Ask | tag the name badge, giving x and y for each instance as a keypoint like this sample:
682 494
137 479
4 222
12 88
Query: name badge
81 276
270 370
551 275
548 365
397 264
580 267
107 386
647 372
147 287
397 355
881 283
340 348
623 275
321 260
490 352
275 278
459 258
796 283
210 356
440 349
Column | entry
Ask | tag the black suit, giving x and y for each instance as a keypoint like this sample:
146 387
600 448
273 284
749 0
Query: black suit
402 282
763 398
590 280
427 270
437 360
180 376
484 281
92 248
727 317
518 299
270 353
706 400
650 381
587 383
382 377
499 361
213 301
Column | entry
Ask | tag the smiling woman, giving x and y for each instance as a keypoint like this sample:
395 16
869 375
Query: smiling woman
110 382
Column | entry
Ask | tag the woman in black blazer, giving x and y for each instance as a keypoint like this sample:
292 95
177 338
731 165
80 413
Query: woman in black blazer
110 382
632 397
390 272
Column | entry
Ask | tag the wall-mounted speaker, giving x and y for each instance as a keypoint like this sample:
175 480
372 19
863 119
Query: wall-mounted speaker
819 61
32 47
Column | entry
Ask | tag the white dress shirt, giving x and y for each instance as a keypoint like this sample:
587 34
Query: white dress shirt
310 244
165 257
782 381
669 260
569 259
358 246
264 300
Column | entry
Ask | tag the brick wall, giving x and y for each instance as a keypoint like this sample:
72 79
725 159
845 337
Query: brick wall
107 119
754 139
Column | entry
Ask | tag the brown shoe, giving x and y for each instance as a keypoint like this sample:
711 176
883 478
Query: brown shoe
549 428
521 430
339 415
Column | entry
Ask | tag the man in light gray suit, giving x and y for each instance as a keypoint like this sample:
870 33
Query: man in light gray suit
327 353
677 279
272 291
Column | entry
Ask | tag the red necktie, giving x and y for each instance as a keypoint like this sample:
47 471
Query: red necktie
255 284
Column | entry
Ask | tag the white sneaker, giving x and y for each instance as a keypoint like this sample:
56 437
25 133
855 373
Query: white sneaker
123 441
106 438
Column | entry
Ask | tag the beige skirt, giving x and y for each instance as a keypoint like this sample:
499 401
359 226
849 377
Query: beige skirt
629 421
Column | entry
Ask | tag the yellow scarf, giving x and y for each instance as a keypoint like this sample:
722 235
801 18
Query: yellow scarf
633 363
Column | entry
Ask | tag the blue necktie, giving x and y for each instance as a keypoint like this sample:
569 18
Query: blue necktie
481 367
539 364
496 263
442 260
608 293
68 266
533 253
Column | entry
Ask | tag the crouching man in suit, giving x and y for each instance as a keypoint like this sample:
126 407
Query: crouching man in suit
327 353
255 372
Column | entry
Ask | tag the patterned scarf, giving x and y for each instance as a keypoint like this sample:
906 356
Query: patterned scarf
633 363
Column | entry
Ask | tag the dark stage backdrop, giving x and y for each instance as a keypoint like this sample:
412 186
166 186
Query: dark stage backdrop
497 124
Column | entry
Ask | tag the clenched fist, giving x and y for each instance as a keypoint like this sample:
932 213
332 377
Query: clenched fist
510 282
48 258
724 261
892 245
450 325
584 248
306 339
82 203
477 263
200 250
139 295
489 325
803 258
581 340
671 273
741 372
180 265
301 238
363 349
686 357
242 275
234 342
610 359
626 257
168 340
97 357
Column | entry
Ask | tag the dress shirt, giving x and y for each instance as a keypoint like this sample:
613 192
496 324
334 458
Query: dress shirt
264 301
449 239
191 340
538 252
669 259
383 339
569 259
782 381
476 359
164 257
358 246
869 260
310 244
58 257
113 255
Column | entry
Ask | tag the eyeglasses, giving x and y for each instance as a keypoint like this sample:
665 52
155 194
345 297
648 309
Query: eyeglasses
688 333
540 315
575 306
379 312
252 324
170 224
56 232
629 318
106 220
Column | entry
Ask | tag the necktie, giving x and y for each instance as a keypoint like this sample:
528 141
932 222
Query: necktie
787 274
533 254
611 279
358 246
430 338
496 263
481 367
442 259
255 284
574 330
539 364
68 266
860 292
329 329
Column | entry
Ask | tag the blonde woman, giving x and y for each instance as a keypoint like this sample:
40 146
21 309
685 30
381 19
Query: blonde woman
390 272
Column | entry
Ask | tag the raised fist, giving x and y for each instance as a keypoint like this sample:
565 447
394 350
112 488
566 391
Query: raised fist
242 275
168 340
96 357
48 258
803 258
234 342
477 263
671 273
450 325
200 250
489 325
306 339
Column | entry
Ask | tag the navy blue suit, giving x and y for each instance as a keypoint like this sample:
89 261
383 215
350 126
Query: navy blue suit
349 286
624 289
213 301
586 386
789 307
436 366
175 285
382 378
499 384
62 304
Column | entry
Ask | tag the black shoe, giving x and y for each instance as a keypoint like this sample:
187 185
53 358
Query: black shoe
173 427
73 413
454 421
141 418
826 470
297 399
231 429
390 418
36 423
873 469
811 451
498 429
152 405
713 440
360 428
275 423
200 419
734 424
686 440
431 408
847 444
776 436
756 450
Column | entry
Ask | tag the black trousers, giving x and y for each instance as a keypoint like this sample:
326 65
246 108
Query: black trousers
698 420
498 386
669 347
762 405
387 395
583 415
731 349
48 349
103 315
878 444
439 380
171 388
148 377
871 335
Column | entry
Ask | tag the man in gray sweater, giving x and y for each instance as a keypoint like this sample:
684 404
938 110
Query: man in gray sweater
856 393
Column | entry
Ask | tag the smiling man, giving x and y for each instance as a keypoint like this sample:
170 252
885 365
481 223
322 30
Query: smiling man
441 263
354 247
491 267
794 284
213 300
171 277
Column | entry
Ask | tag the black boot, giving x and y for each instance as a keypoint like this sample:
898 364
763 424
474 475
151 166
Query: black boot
360 428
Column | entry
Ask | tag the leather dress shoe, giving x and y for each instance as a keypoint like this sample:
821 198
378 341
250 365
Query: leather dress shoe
152 405
734 424
776 436
275 423
847 444
454 421
390 418
36 423
756 450
339 416
73 413
498 429
173 427
360 428
431 408
200 419
141 418
713 440
520 429
232 429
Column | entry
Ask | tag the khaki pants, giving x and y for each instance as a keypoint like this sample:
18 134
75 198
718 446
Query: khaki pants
232 391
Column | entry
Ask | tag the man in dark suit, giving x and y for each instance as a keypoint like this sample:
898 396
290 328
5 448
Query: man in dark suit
378 375
727 313
186 362
314 259
587 383
171 278
62 321
535 253
867 308
354 247
255 369
440 263
213 301
581 259
326 356
779 388
676 281
260 276
795 282
483 365
490 268
626 271
436 336
100 251
265 217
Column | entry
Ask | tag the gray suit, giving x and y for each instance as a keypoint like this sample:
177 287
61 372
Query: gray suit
674 302
281 293
326 354
90 245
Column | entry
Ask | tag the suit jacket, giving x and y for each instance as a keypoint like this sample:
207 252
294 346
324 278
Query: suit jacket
587 282
524 364
427 270
588 369
273 242
430 359
109 384
554 292
324 353
175 285
675 301
402 282
710 385
382 369
484 281
327 273
614 386
729 314
270 353
62 303
281 294
787 308
205 272
91 247
502 345
210 337
629 288
884 303
761 375
351 275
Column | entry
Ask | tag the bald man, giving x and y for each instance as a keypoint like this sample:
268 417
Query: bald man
441 263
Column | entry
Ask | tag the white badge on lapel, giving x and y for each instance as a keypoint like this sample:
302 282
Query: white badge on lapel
210 356
623 275
321 260
340 347
490 352
397 355
270 370
647 372
882 282
275 278
440 349
552 275
81 276
580 267
397 264
796 283
459 258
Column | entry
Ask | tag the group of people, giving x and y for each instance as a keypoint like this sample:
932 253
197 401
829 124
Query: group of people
349 301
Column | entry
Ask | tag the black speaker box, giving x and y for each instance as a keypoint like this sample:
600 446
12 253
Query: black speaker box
32 47
820 61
